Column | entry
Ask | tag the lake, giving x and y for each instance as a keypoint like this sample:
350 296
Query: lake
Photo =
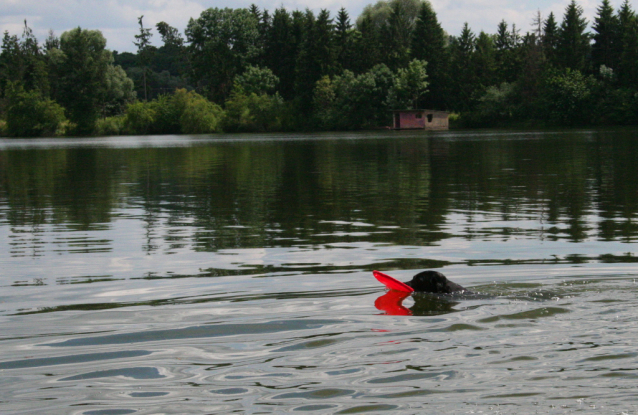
233 273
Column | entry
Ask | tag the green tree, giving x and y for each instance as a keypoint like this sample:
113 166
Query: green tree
172 55
396 36
497 104
463 82
256 80
484 60
81 70
140 117
144 52
429 44
317 57
281 48
201 116
22 60
573 42
364 101
367 46
222 42
324 104
606 30
533 65
628 51
567 97
550 40
507 47
379 13
119 91
252 112
29 114
411 84
344 40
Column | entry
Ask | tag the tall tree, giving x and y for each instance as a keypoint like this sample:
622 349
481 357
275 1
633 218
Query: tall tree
222 43
325 46
263 26
22 60
144 52
463 78
367 46
503 50
307 70
573 42
317 56
628 40
606 29
281 51
550 40
484 61
411 84
429 44
172 55
396 36
82 75
344 40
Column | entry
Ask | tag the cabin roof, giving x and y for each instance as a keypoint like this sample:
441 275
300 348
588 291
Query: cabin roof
422 110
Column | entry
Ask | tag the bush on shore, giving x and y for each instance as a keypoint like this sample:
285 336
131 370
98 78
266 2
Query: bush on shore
185 112
28 114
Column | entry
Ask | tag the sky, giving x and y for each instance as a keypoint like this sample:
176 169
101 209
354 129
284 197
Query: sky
117 19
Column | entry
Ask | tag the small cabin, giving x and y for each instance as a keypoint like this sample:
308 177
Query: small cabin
420 120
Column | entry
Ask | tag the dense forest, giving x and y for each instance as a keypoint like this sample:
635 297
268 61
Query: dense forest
255 70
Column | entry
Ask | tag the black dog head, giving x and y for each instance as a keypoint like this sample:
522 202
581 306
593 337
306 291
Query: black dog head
433 282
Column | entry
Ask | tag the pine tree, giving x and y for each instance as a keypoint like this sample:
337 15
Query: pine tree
367 49
344 42
325 44
281 52
550 40
307 71
606 27
628 42
428 44
463 80
573 42
396 35
484 61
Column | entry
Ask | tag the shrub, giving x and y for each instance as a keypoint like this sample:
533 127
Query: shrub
253 113
200 116
110 126
31 115
140 117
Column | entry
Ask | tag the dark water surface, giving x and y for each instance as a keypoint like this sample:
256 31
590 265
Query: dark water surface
232 274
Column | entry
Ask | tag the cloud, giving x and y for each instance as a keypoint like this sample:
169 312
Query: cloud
117 19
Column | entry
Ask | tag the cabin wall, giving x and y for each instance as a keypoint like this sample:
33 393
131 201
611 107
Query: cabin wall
425 120
440 121
411 120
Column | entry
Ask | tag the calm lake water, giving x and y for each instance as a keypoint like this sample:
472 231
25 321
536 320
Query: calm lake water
233 274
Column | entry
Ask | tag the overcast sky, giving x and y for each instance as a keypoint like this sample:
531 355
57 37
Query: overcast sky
117 19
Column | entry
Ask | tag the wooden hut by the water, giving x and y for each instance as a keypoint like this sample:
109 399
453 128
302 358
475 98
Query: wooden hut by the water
420 120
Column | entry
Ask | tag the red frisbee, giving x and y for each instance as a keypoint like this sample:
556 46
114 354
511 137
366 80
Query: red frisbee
390 302
392 283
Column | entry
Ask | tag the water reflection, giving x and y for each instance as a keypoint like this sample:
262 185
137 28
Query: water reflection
391 303
567 186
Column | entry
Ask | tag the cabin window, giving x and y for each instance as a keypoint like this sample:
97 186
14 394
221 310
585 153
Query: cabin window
419 115
429 117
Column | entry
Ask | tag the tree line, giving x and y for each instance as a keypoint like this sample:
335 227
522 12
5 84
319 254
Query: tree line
252 70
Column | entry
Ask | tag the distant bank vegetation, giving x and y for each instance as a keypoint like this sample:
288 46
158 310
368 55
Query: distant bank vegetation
252 70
